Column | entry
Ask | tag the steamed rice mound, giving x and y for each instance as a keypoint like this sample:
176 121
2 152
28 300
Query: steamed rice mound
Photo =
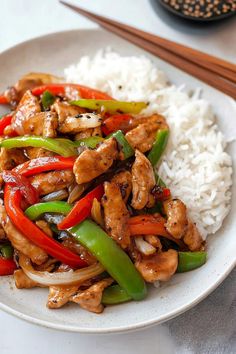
195 166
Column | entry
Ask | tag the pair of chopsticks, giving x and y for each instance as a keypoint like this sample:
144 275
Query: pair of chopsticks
214 71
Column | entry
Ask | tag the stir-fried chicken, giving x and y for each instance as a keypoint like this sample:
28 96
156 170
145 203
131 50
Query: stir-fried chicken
60 295
160 266
123 180
34 153
87 133
192 237
11 158
22 281
179 226
27 108
92 163
3 236
116 214
177 220
90 299
20 242
46 183
154 241
143 135
143 181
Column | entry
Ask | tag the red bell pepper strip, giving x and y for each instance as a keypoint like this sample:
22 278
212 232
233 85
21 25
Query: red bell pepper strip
7 266
116 122
12 202
3 99
4 122
82 209
27 190
43 164
84 91
147 225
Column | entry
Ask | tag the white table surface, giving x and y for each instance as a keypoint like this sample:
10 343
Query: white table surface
208 327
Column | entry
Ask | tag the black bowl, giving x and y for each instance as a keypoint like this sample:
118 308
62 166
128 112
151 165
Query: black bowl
179 13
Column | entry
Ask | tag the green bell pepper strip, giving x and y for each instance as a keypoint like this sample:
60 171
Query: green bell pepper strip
90 142
62 147
47 99
190 260
115 295
111 256
111 106
6 251
128 151
158 146
34 211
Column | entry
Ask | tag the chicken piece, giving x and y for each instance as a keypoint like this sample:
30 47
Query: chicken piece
192 237
34 153
143 181
27 107
177 221
50 123
20 242
156 120
22 281
154 241
75 247
43 225
49 182
90 299
60 295
160 266
87 133
64 110
92 163
116 214
143 135
123 180
11 158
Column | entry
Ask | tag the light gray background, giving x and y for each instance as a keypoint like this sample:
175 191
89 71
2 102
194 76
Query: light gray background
209 327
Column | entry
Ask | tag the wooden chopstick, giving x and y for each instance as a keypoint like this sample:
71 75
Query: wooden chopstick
215 75
226 69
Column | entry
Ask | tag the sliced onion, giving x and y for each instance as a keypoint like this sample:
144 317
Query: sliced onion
58 195
59 278
85 120
143 246
76 192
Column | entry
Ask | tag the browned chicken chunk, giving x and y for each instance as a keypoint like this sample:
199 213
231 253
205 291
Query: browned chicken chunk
123 180
143 181
87 133
22 281
143 135
60 295
92 163
177 220
34 153
116 214
160 266
20 242
90 299
192 238
11 158
46 183
27 107
43 225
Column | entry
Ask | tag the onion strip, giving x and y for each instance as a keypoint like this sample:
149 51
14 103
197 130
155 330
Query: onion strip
59 278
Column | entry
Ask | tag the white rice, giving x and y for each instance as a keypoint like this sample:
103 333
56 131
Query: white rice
195 166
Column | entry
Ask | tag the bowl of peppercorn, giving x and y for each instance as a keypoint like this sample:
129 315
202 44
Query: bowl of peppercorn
201 10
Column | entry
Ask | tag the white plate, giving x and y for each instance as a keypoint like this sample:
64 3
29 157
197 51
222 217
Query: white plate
51 54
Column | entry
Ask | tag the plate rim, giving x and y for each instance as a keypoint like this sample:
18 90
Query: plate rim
118 329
